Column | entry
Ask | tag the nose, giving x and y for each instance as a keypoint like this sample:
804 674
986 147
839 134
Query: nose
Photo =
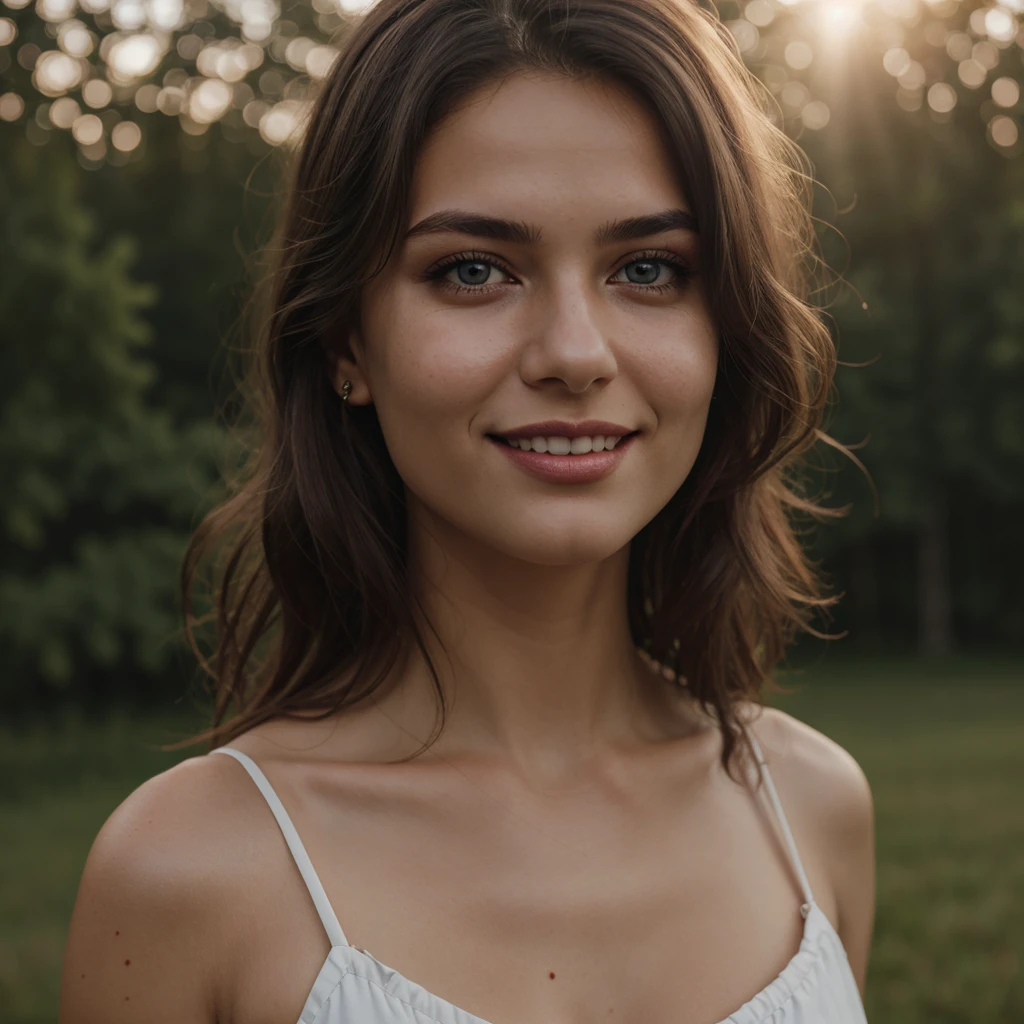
567 344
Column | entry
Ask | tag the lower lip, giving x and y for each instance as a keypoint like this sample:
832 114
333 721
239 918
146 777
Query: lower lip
567 469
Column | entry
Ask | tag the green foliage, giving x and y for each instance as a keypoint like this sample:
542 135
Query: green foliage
100 488
931 228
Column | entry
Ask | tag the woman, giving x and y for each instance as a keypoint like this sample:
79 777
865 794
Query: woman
537 369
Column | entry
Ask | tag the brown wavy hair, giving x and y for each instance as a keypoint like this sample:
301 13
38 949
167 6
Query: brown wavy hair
307 590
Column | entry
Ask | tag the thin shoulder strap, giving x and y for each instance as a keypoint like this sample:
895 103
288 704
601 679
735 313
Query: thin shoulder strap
291 837
798 865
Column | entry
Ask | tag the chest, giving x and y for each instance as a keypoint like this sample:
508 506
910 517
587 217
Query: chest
572 914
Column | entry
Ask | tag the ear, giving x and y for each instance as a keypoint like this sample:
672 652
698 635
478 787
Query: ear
346 362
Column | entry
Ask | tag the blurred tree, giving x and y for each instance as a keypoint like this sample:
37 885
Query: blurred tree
934 223
100 489
201 215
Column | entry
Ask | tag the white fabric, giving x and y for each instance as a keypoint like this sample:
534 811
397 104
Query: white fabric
817 986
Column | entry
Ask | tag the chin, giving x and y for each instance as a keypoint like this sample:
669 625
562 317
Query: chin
575 543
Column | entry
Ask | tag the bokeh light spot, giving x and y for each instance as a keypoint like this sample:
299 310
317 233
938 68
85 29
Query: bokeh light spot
134 56
320 60
128 15
971 73
12 106
815 115
745 34
913 77
87 129
1003 130
55 73
75 39
126 136
165 14
798 55
210 101
97 93
958 46
55 10
759 13
64 112
1005 92
896 61
281 123
986 54
1000 24
942 97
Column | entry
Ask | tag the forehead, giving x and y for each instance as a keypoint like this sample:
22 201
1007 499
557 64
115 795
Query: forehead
566 150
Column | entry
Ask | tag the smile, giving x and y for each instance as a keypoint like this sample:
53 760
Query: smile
560 459
565 445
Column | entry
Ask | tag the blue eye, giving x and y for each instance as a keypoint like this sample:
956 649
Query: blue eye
646 270
473 271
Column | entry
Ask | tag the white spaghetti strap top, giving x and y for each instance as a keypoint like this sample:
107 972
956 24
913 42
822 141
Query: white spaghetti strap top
291 837
817 986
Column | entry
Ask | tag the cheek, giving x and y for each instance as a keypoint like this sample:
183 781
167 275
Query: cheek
430 374
675 372
675 368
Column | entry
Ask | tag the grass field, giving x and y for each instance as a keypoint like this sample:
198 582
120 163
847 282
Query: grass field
943 748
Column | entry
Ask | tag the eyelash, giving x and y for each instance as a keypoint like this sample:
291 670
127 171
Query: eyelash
684 272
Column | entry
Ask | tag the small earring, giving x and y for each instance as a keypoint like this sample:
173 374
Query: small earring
346 390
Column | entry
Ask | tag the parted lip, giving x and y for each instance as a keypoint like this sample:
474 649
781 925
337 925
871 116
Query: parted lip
560 428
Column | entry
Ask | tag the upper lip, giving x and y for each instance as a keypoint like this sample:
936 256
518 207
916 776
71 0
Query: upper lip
560 428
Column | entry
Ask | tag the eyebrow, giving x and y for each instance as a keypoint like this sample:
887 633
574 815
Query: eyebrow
519 233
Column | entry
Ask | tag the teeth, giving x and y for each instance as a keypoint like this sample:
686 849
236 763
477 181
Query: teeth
565 445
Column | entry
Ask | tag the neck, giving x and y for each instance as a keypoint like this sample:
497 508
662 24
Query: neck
536 662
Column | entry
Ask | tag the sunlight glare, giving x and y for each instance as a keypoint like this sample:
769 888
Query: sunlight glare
838 17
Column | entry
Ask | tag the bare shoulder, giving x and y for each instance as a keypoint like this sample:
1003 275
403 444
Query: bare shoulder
816 770
148 935
828 801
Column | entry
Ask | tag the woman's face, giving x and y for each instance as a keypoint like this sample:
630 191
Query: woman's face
568 320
